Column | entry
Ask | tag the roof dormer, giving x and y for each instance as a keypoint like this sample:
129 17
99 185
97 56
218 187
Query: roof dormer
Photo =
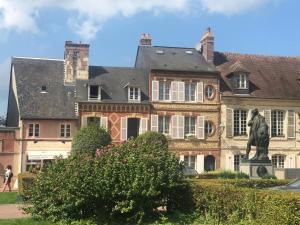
239 77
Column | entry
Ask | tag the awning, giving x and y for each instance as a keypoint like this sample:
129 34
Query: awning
39 155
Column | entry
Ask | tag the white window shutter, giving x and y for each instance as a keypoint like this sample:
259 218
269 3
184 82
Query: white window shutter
123 128
143 125
200 164
200 127
154 123
104 122
199 94
267 115
229 162
174 91
180 127
229 123
174 126
181 158
83 121
291 124
155 89
181 91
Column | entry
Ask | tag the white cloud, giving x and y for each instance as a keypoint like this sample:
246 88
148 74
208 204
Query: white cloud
231 7
89 15
4 84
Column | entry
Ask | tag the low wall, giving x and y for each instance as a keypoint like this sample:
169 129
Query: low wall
285 173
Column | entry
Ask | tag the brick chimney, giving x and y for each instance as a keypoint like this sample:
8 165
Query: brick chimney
207 45
76 62
145 39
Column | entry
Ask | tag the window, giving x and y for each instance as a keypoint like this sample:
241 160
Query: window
278 161
34 130
93 120
189 126
208 128
44 89
164 124
240 122
277 123
190 90
164 90
190 161
134 94
241 81
94 93
65 130
209 92
237 161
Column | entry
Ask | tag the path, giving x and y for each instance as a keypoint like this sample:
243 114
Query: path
11 211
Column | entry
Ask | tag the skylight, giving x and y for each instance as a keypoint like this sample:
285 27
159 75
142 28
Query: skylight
159 52
189 52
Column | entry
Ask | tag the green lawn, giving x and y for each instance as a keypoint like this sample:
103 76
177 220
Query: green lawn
8 197
24 221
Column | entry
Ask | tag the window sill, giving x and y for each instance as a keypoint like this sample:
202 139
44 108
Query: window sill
94 100
279 138
240 137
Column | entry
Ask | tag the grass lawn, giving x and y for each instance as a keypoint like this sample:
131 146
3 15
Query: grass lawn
24 221
8 197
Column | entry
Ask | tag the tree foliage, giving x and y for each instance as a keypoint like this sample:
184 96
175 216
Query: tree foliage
2 120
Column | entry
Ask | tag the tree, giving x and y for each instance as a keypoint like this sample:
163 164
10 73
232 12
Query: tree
2 120
89 139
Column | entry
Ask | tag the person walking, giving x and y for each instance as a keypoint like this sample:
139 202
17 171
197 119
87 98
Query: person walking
7 178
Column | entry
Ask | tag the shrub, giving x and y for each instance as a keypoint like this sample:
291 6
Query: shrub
24 181
89 139
269 176
152 138
223 174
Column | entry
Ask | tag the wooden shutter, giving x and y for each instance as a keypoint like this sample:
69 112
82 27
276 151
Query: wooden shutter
181 158
104 122
174 91
229 162
180 127
155 90
174 126
291 124
143 125
290 161
83 121
200 127
154 123
267 115
199 95
181 91
200 164
229 123
123 128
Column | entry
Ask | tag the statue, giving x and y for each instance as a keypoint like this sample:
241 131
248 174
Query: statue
259 136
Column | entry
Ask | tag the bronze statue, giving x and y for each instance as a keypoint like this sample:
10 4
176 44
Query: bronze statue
259 136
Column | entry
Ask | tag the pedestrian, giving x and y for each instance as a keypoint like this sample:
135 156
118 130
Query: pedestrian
7 178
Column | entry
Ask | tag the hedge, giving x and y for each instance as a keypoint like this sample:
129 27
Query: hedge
24 180
232 204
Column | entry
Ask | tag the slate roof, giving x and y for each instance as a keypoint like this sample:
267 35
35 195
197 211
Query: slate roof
172 58
269 76
31 74
114 82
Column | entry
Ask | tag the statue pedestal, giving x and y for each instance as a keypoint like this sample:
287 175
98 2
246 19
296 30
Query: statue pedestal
256 168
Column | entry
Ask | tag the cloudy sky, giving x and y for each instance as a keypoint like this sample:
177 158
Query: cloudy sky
39 28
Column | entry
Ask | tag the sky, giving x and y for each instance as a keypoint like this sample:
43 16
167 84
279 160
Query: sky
39 28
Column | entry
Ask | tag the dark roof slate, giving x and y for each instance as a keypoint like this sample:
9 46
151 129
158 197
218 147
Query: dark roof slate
269 76
31 74
172 58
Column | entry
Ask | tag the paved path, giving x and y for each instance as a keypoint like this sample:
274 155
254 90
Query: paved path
11 211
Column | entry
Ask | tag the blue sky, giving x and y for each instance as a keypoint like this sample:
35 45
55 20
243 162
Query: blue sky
39 28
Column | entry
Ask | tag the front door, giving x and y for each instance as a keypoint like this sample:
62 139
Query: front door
133 127
209 163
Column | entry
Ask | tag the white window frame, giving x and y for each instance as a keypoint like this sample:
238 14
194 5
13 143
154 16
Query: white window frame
94 98
209 91
188 93
237 162
239 123
277 123
278 161
34 128
190 132
189 161
166 95
65 130
208 123
166 121
136 94
241 81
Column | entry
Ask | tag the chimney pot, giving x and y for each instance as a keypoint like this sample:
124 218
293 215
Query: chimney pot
145 39
207 45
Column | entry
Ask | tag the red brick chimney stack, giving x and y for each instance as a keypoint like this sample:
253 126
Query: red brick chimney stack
145 39
207 45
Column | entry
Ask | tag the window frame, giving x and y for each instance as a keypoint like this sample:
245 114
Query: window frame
213 93
164 128
94 98
278 161
33 130
165 87
212 128
189 92
240 124
189 163
134 94
65 130
189 125
277 126
241 81
237 162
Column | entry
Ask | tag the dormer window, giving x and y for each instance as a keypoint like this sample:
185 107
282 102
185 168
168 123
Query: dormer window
134 94
94 93
241 81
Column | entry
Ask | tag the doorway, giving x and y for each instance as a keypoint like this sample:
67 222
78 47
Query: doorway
209 163
133 127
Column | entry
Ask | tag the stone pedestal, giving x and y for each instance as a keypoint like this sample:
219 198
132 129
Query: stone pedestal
256 168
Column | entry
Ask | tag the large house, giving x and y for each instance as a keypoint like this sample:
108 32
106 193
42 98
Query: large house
200 99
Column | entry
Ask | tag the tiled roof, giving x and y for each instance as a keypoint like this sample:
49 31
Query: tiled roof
269 76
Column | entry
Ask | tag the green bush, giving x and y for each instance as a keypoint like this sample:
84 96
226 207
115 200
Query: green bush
125 183
152 138
223 174
24 181
89 139
269 176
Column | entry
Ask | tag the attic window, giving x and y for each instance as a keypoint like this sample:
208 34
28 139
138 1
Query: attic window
189 52
134 94
94 93
241 81
44 89
160 52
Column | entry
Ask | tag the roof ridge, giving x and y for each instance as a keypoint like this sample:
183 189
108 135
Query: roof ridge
116 67
258 55
36 58
161 46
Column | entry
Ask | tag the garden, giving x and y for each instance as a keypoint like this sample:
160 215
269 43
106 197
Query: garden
141 182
